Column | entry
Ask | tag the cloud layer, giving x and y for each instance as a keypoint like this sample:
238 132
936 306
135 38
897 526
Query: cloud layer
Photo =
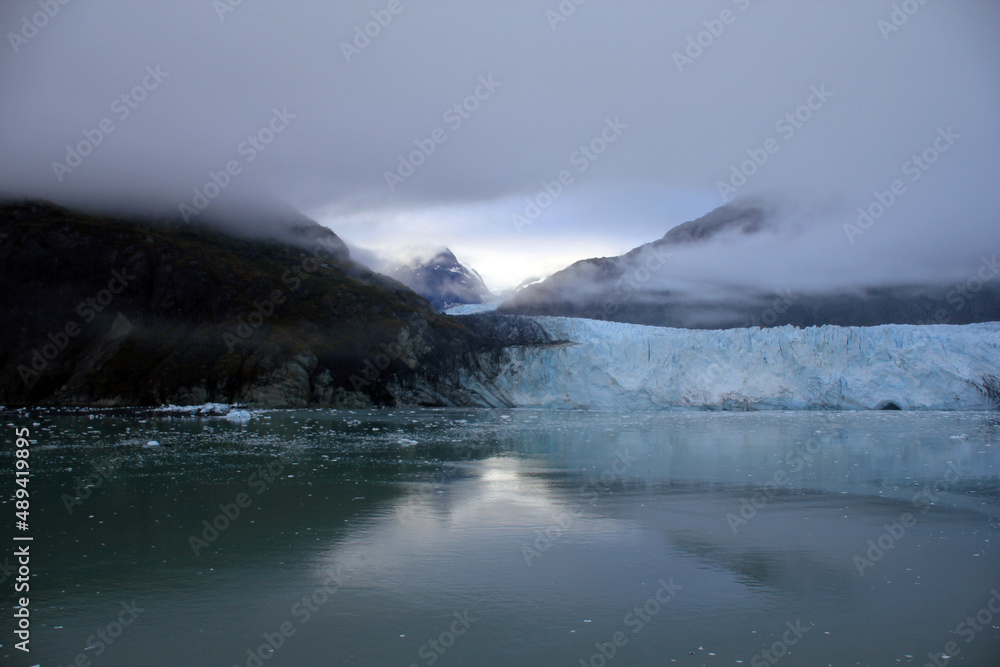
480 111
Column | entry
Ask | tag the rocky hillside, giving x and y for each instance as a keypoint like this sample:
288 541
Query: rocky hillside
102 311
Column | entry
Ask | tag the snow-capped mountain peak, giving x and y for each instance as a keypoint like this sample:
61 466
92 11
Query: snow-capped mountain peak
443 280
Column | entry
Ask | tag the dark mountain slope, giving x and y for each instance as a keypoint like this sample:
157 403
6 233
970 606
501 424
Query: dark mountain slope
100 311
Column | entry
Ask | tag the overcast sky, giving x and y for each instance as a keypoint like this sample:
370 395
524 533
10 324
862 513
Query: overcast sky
340 108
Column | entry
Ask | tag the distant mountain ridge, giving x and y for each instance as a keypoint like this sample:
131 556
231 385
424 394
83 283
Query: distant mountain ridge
620 289
444 281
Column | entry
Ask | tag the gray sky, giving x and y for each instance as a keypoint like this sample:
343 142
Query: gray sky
552 86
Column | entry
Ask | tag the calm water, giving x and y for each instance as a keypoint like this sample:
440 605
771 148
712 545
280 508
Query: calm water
460 537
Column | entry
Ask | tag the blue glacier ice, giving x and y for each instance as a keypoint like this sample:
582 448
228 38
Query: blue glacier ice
617 366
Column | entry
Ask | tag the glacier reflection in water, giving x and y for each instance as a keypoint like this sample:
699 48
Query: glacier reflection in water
469 537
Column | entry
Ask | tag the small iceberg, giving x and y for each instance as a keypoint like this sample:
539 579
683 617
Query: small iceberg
239 416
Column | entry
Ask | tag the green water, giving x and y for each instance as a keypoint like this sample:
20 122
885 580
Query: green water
463 537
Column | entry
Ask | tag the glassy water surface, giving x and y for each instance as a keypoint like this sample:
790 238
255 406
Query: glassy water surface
466 537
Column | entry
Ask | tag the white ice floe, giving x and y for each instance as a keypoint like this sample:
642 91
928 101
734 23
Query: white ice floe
239 416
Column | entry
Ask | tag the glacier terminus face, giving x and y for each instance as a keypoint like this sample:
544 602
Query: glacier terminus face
617 366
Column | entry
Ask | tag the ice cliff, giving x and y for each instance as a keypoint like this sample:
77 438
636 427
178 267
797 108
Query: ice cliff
618 366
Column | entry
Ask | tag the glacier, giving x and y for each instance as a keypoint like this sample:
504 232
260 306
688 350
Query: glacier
602 365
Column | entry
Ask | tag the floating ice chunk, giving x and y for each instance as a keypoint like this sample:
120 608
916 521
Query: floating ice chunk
240 416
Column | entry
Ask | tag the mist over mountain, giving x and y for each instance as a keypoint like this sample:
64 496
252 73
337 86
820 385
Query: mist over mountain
443 280
262 101
687 279
134 311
